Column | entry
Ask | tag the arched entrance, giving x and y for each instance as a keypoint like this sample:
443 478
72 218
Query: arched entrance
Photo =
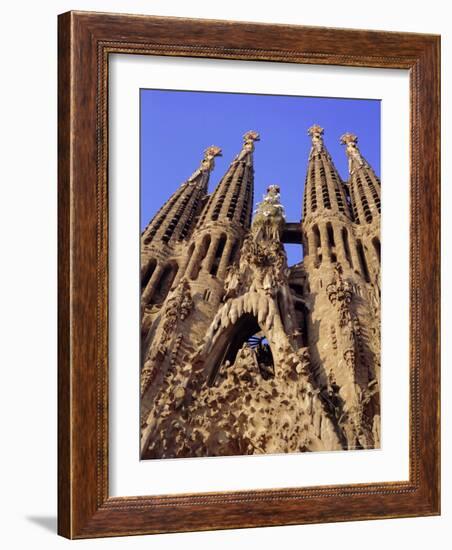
226 347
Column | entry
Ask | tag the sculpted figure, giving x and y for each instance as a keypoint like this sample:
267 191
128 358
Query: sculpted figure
207 163
353 153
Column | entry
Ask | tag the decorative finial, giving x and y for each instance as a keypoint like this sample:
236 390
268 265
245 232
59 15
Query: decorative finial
316 133
349 138
212 151
248 146
354 155
207 163
269 216
251 135
273 190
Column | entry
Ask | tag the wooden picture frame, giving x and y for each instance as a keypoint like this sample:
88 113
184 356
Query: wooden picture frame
86 40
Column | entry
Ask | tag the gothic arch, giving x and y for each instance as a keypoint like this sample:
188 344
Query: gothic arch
229 342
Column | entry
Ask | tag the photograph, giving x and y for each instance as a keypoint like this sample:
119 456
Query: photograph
260 274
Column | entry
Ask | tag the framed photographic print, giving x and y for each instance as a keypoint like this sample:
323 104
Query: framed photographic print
248 274
246 347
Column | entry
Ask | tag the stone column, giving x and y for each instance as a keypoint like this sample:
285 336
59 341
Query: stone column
326 252
224 262
354 253
210 256
146 260
150 287
340 248
309 241
375 254
315 244
193 259
179 274
182 271
373 262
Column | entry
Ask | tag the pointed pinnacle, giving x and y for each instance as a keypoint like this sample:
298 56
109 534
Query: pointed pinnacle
208 162
355 160
251 135
349 138
212 151
315 131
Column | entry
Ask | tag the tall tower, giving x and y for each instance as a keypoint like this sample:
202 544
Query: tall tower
365 196
173 224
216 228
222 226
326 212
338 299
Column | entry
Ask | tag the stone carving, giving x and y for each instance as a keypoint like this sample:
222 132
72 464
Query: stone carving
357 426
246 412
316 133
262 273
269 217
354 155
248 145
249 138
340 295
207 163
333 337
177 309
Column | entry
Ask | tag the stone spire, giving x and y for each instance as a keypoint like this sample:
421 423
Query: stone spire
232 200
324 189
327 220
224 221
175 220
364 186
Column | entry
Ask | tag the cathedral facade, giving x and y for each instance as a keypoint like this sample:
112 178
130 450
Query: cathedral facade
242 354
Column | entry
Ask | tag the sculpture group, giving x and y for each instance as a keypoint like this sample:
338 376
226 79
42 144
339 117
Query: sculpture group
242 354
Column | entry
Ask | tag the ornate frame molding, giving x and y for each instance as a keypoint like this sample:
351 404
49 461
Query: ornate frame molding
85 42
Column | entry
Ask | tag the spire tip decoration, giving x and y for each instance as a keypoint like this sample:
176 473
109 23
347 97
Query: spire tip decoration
269 216
248 145
212 151
208 162
251 135
348 137
274 190
316 133
354 155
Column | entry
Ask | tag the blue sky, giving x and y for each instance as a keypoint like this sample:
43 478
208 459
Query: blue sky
176 127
